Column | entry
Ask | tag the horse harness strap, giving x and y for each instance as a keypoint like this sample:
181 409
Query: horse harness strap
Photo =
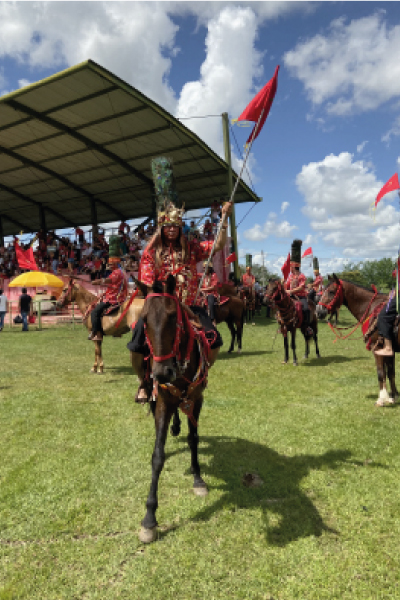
186 404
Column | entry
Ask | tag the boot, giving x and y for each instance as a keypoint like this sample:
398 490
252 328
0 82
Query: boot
387 350
98 337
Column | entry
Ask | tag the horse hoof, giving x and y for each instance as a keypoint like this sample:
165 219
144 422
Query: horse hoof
147 536
175 432
239 350
284 362
230 350
93 370
295 364
100 372
200 490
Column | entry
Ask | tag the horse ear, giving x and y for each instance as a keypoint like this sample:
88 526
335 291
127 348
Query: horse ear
171 284
158 287
142 287
335 278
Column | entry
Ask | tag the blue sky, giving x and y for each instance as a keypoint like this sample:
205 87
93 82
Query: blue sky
332 137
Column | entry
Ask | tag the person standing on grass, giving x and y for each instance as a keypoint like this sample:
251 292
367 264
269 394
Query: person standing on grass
25 308
3 309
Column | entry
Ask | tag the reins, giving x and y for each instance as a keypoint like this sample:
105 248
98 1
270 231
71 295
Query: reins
185 403
340 295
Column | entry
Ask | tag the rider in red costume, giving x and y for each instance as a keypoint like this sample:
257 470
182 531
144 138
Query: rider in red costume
169 252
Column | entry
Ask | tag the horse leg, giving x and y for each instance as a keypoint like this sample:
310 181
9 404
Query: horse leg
315 336
100 364
293 344
286 348
391 368
199 486
97 355
307 350
233 334
383 397
176 423
239 333
162 417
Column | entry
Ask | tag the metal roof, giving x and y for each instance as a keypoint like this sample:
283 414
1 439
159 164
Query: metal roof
78 146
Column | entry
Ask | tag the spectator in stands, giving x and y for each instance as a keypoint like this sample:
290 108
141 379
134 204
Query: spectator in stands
123 228
71 257
208 230
3 308
216 211
79 235
25 308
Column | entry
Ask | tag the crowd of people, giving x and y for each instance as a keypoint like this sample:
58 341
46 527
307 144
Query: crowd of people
79 254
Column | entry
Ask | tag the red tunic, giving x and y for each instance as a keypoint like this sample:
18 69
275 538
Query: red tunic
211 281
317 283
248 280
294 281
172 262
116 290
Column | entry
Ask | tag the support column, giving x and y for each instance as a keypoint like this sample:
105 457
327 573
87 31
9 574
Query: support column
42 218
227 148
1 232
93 217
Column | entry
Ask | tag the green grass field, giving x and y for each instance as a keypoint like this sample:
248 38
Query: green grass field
75 472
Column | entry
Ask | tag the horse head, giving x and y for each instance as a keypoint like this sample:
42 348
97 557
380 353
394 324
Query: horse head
163 319
275 291
332 297
68 294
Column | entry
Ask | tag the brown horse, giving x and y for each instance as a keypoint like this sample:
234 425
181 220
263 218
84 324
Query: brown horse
289 320
232 312
74 292
362 302
178 364
248 296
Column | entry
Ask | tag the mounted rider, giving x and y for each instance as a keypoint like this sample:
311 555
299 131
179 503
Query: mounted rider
295 284
170 252
248 289
116 290
318 282
210 290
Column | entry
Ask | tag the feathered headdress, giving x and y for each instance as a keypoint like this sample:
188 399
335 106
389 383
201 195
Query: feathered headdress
167 199
295 254
315 264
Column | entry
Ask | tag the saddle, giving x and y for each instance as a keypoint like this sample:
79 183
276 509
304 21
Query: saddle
372 338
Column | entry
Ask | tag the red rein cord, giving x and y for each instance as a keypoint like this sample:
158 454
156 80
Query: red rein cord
331 305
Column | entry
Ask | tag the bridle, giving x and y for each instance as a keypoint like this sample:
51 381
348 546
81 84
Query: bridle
181 319
336 301
64 295
183 324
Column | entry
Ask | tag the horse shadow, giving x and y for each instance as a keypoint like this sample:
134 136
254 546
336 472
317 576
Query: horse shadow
328 360
288 512
230 355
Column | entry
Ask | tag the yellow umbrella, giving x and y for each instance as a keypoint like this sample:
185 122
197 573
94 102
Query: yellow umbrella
37 279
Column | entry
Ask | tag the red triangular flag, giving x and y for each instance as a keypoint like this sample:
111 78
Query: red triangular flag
392 184
25 258
231 258
261 104
307 252
286 268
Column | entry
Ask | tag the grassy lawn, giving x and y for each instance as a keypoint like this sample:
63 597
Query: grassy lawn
75 472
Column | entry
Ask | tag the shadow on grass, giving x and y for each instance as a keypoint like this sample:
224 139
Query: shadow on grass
126 370
288 512
329 360
229 355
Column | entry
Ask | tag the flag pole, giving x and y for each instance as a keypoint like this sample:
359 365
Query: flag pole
231 199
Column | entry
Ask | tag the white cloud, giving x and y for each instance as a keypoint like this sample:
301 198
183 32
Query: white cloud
354 67
361 146
270 228
284 206
339 193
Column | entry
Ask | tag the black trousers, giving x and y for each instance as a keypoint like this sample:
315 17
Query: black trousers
96 315
386 319
211 306
138 341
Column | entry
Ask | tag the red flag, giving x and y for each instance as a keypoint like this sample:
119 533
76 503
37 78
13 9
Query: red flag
307 252
392 184
25 258
261 104
286 268
231 258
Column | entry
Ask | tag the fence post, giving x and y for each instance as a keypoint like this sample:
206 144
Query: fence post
73 315
39 312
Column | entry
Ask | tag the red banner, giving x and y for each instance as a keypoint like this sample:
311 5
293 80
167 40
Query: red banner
390 185
307 252
286 268
25 258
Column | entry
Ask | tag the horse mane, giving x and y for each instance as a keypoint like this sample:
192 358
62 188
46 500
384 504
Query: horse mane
358 285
